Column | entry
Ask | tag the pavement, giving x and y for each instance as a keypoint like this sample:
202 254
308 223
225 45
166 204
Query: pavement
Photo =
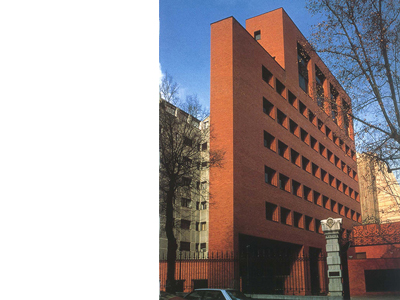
385 297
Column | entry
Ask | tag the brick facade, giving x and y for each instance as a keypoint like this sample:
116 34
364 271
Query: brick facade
287 165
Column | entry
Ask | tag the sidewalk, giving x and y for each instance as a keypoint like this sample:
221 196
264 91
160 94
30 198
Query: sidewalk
385 297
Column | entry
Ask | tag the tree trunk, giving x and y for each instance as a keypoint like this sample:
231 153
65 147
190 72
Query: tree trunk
172 246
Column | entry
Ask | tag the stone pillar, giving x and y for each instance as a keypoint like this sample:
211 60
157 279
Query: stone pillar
331 229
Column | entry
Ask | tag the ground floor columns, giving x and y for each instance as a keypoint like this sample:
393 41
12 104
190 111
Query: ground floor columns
331 228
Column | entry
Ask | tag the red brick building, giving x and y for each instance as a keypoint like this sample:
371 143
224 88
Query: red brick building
374 260
290 157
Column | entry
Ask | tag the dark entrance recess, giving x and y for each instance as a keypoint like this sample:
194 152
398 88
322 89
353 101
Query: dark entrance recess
382 280
273 267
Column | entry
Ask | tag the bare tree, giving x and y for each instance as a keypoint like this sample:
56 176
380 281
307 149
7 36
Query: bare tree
360 41
183 133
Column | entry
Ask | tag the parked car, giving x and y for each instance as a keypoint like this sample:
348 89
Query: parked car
167 296
216 294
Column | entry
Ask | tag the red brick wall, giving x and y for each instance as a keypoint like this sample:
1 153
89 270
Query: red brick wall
356 273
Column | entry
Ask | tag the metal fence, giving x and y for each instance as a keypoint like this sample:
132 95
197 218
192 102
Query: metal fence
256 273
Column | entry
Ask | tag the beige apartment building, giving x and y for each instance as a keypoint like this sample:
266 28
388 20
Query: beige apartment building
191 201
379 191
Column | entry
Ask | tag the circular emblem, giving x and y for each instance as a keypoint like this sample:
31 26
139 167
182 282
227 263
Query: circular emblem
330 222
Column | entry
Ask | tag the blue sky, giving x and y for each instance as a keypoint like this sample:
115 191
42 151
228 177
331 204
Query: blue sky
185 35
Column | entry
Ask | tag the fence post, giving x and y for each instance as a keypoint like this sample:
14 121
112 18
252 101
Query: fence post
331 229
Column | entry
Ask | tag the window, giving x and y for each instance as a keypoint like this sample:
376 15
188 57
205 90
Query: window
204 146
357 196
305 163
266 75
324 176
353 155
315 170
201 205
334 206
303 58
346 189
325 202
347 212
280 88
269 141
318 228
313 143
271 212
284 182
298 220
340 209
334 96
330 156
296 188
185 224
307 195
309 223
295 157
328 132
355 176
213 295
349 171
351 193
184 246
270 176
341 144
322 150
283 150
321 125
343 166
335 139
304 136
293 128
303 109
332 181
268 108
204 185
201 226
203 246
286 217
311 117
339 185
320 79
187 141
337 162
257 35
317 198
281 118
186 202
293 100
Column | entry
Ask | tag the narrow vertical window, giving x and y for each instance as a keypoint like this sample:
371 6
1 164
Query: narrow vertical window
303 59
266 75
320 79
334 95
257 35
